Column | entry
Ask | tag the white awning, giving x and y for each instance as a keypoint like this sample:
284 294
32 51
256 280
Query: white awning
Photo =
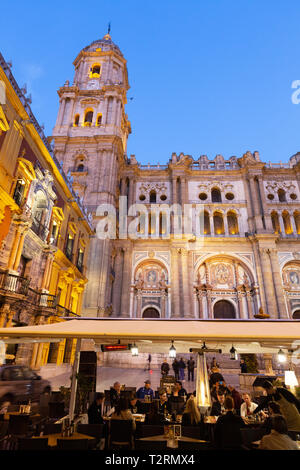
269 332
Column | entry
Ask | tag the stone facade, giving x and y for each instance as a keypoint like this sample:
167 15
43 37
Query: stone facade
247 259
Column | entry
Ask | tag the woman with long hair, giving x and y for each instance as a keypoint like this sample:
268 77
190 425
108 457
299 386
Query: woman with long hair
191 415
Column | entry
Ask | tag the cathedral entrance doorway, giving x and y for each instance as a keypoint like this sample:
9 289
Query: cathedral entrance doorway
224 309
296 315
151 312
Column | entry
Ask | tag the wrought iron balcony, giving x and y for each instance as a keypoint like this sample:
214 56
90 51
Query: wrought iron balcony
39 229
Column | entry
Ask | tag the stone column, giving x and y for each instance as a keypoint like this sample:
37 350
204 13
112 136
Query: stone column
278 283
126 278
293 225
209 303
267 217
118 268
187 313
256 205
268 364
175 284
200 306
240 303
268 282
212 227
14 249
4 311
260 294
249 303
139 303
282 229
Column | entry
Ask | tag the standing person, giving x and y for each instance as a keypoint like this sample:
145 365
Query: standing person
149 361
175 367
182 366
243 367
214 366
115 393
289 406
165 368
179 391
191 367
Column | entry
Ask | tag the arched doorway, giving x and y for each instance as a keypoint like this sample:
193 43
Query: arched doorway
224 309
296 315
151 312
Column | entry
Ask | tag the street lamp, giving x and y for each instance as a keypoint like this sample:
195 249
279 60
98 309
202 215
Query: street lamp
134 350
233 354
281 356
172 351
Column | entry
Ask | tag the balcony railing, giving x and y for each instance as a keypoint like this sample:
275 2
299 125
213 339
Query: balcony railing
14 284
39 229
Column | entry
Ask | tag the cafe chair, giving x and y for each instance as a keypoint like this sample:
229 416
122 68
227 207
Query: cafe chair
120 433
93 430
32 444
56 409
18 426
72 444
3 434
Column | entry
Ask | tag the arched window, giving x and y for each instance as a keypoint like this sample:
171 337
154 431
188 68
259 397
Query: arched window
151 312
218 223
76 120
152 197
88 119
297 221
99 119
281 195
19 191
296 315
95 71
224 309
287 223
232 221
275 222
216 195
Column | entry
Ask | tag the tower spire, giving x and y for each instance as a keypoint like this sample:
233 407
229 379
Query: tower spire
108 29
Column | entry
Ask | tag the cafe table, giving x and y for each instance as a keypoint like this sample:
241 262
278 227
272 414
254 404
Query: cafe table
52 438
162 437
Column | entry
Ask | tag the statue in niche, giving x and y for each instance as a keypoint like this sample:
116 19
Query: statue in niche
151 277
139 282
294 278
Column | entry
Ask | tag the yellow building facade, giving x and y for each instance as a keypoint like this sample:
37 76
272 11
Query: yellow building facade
44 231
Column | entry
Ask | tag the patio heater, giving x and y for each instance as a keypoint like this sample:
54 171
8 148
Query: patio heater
203 397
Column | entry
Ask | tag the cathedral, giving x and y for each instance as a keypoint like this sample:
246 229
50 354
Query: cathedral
244 263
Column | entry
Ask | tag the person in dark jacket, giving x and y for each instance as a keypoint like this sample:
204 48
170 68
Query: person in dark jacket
191 367
243 366
165 368
289 405
237 399
182 366
115 393
175 367
134 404
95 412
227 433
218 406
164 406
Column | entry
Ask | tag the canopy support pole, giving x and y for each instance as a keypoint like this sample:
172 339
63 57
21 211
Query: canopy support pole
74 380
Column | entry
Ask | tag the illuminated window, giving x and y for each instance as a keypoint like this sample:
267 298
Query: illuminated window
232 221
19 192
76 120
69 247
95 71
88 119
99 119
218 223
275 222
80 257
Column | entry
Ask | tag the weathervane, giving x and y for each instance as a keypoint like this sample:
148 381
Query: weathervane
108 30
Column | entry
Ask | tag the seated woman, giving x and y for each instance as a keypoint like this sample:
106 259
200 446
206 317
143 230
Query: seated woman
278 439
227 433
191 414
134 404
122 411
274 409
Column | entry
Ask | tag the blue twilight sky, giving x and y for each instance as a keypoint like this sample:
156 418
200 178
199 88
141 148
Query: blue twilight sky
207 77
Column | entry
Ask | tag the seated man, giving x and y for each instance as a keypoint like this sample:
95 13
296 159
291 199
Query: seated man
227 433
278 439
163 405
134 404
146 390
248 407
115 392
179 391
95 411
218 407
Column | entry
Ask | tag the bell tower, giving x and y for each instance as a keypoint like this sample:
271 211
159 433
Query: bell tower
90 139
